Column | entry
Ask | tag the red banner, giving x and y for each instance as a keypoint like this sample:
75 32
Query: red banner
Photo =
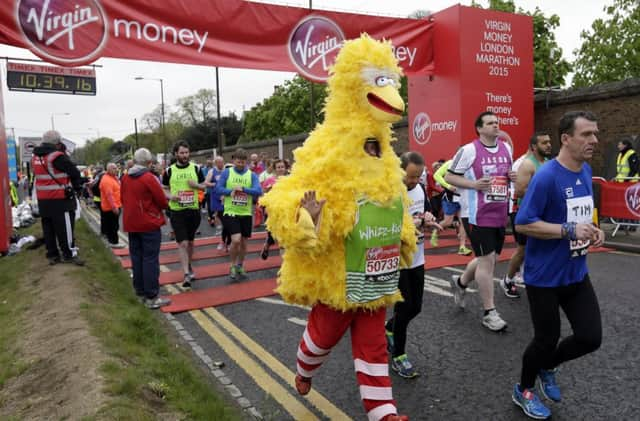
619 200
229 33
6 221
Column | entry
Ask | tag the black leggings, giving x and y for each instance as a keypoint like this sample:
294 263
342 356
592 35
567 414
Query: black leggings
411 286
580 304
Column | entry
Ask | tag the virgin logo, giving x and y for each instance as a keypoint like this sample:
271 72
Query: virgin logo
313 46
422 128
632 197
63 31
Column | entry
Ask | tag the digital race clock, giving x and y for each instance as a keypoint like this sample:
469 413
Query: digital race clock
62 80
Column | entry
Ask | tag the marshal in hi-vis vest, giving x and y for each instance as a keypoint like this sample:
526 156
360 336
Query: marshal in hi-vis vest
50 182
623 169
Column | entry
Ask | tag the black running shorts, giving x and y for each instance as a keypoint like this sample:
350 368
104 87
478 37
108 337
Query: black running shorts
484 240
239 224
185 223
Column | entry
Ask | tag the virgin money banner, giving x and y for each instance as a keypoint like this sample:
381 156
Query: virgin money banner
620 200
229 33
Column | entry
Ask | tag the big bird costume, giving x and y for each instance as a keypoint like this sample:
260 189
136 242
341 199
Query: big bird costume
343 251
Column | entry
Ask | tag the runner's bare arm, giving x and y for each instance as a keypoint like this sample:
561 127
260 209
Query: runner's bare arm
525 172
548 231
459 181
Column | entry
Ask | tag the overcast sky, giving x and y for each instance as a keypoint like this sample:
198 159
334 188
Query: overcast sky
120 99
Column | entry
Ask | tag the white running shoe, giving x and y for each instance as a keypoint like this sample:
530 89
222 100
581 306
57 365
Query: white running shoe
459 293
493 321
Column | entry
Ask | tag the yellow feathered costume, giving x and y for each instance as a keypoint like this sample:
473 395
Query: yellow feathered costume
362 102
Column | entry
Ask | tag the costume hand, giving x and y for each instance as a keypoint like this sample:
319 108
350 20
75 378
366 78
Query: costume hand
311 205
598 239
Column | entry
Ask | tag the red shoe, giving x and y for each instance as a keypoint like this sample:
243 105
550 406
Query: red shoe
394 417
303 384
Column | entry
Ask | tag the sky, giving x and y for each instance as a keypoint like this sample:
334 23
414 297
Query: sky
121 99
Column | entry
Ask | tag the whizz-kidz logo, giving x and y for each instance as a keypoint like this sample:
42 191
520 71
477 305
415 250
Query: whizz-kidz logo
313 46
63 31
632 198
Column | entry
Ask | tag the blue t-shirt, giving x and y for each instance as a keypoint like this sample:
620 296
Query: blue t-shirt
556 195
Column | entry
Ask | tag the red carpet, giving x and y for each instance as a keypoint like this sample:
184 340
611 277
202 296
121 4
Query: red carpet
211 297
169 258
221 269
248 290
207 241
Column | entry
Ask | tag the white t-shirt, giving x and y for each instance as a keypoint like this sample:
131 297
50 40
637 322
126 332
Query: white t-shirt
417 198
461 165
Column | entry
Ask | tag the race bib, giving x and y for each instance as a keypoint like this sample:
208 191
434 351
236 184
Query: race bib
186 197
498 190
240 199
580 211
382 260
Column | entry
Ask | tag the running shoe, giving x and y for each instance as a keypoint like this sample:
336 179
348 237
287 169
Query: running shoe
303 384
390 343
186 281
530 403
434 238
403 367
493 321
509 288
241 273
459 293
464 251
220 246
395 417
548 386
155 303
233 273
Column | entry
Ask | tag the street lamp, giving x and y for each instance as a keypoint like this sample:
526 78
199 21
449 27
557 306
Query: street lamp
53 126
164 132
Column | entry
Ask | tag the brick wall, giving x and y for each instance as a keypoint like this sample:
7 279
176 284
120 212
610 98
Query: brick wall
616 104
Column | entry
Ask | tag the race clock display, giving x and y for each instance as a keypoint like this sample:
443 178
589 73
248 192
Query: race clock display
62 80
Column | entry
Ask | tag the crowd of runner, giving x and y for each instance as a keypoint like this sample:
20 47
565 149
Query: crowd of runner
549 203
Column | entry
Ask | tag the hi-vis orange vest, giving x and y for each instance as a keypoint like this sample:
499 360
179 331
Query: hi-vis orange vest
46 186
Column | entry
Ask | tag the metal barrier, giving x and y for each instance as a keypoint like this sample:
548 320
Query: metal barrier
620 202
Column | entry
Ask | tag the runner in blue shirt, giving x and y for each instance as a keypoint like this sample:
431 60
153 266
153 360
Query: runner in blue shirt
556 214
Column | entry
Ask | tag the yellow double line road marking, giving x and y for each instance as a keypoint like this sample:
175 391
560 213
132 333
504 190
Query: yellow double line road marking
282 395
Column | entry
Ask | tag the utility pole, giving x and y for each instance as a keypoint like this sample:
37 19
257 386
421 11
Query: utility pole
313 114
218 122
135 125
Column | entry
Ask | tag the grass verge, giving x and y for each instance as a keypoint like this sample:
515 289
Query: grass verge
14 300
147 376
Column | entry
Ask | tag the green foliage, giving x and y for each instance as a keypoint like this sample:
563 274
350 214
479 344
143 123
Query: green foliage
142 360
286 112
95 151
550 69
610 50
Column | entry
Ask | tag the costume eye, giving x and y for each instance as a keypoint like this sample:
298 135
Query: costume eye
384 81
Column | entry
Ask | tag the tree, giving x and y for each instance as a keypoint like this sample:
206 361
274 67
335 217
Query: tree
197 108
286 112
550 69
610 50
95 151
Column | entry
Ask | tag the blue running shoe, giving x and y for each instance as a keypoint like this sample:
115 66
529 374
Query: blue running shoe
548 386
390 343
403 367
530 403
